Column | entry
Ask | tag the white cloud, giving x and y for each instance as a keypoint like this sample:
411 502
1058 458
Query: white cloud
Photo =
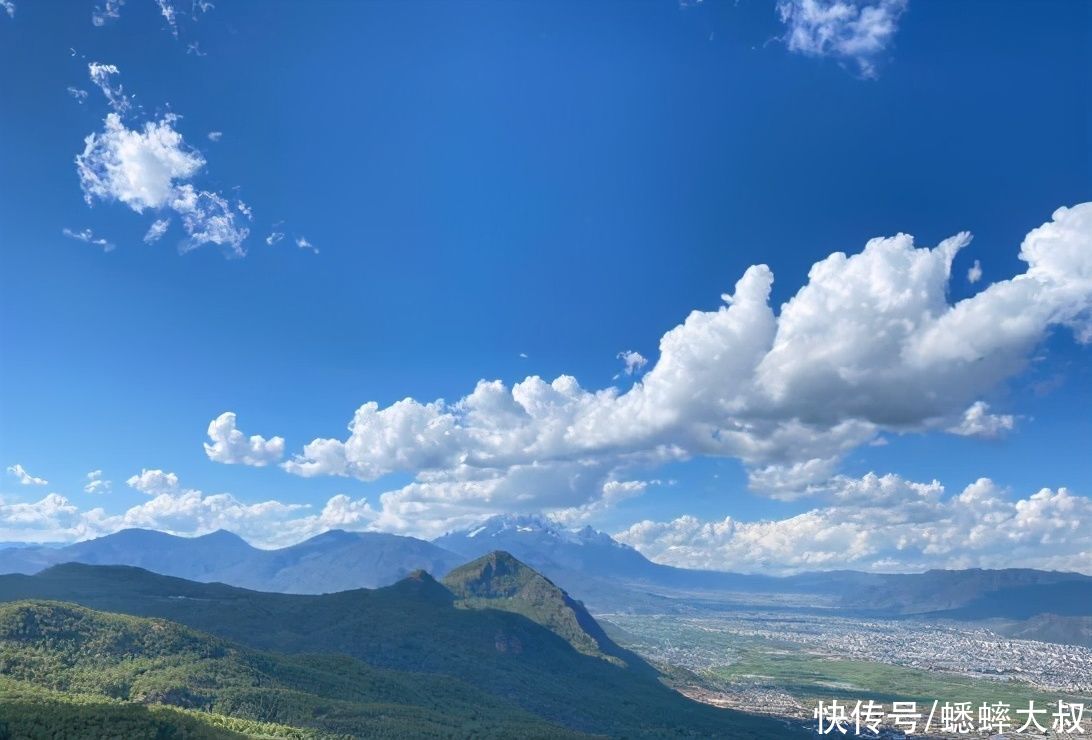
148 167
886 523
974 272
24 477
209 219
880 523
183 511
155 482
78 94
229 445
302 243
870 344
633 361
96 483
141 168
102 75
614 492
977 421
215 136
274 237
52 519
88 237
110 10
166 9
855 30
9 7
157 230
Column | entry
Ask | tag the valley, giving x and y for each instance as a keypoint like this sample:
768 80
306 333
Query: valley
784 665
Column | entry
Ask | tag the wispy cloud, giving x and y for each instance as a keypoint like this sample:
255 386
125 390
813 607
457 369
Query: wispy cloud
632 361
88 237
859 31
109 11
95 483
24 477
974 272
157 230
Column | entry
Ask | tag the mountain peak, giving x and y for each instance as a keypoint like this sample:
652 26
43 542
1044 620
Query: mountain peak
498 580
421 585
512 523
495 575
222 535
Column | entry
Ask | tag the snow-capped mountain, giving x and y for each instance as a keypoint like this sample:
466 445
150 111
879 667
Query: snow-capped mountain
551 548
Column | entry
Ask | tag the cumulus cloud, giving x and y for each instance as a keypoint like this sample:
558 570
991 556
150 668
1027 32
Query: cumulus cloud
977 421
95 483
149 167
180 510
154 482
274 237
886 523
88 237
974 272
302 243
51 519
24 477
215 136
870 344
140 168
9 7
231 446
852 30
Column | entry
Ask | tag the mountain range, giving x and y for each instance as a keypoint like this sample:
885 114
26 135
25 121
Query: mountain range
329 562
596 569
495 650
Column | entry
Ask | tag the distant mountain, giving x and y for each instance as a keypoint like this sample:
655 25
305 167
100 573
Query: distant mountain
593 567
609 575
541 543
333 561
1050 628
419 626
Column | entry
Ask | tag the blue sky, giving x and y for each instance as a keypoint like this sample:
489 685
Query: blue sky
501 190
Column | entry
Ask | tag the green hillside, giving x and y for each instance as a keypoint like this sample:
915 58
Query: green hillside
500 581
414 626
72 651
29 712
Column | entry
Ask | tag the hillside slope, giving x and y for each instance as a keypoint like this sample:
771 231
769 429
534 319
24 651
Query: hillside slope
414 626
61 647
500 581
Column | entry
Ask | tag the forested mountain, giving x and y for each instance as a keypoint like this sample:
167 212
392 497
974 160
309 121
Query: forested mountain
78 652
417 626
